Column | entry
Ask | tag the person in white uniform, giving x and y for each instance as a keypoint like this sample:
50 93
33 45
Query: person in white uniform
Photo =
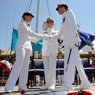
23 51
49 55
71 41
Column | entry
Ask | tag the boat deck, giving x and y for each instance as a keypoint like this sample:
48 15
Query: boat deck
36 91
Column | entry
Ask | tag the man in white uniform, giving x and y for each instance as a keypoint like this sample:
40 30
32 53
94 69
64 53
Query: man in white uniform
69 32
23 51
49 54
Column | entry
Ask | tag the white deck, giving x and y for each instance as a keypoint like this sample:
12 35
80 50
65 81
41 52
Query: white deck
37 91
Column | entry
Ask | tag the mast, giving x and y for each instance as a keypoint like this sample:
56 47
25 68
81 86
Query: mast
37 16
37 24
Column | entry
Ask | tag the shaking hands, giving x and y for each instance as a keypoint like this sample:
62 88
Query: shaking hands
45 37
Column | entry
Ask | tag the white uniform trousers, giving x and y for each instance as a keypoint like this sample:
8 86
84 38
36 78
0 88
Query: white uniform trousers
20 69
50 69
74 61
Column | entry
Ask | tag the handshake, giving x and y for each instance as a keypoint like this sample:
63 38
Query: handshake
45 37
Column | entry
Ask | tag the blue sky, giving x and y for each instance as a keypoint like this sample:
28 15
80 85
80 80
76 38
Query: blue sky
12 10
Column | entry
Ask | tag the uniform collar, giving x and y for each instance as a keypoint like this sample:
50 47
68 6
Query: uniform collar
64 14
28 24
49 29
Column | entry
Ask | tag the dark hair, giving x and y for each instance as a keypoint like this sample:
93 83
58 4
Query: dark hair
65 6
62 5
27 14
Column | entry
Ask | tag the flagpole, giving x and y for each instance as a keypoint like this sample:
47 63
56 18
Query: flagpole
37 16
37 25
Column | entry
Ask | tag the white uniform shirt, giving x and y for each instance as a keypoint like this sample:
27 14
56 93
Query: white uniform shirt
68 29
25 36
49 47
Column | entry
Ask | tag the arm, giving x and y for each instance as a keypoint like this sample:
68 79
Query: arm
27 31
71 21
57 35
33 39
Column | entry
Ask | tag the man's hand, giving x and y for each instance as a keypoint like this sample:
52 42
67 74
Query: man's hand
53 33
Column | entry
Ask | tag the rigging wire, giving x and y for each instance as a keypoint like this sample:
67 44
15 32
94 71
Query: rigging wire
14 16
48 8
27 5
8 25
13 25
30 5
43 11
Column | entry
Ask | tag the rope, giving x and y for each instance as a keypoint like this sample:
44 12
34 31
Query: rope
30 5
48 8
27 5
8 25
13 24
43 12
14 16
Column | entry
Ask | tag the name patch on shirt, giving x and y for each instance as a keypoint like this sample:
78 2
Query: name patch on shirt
45 32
